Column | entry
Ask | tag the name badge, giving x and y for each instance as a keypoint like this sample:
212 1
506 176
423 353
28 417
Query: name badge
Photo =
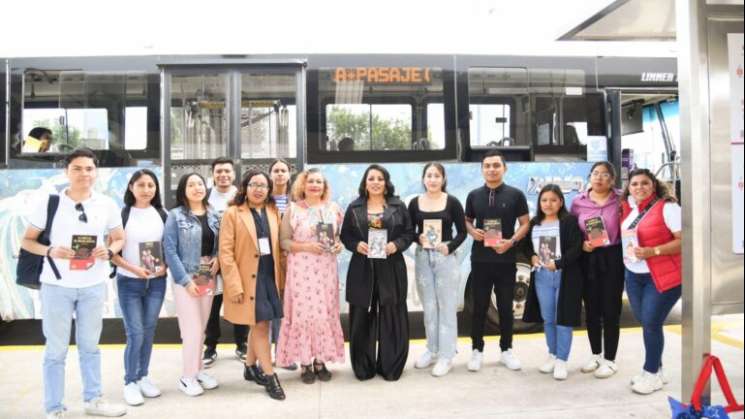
264 247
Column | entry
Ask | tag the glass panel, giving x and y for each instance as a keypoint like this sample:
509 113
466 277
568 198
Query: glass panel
435 128
490 125
498 107
199 124
372 127
135 128
268 116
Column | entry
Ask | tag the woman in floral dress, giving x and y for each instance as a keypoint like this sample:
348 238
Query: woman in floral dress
311 331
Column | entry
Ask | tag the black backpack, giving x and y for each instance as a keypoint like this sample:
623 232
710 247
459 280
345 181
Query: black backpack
125 217
30 265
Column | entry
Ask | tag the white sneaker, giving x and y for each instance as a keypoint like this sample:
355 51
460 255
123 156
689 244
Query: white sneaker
442 367
647 384
660 373
425 360
510 361
58 414
133 395
475 363
206 381
548 366
592 364
100 407
560 370
606 369
190 386
148 388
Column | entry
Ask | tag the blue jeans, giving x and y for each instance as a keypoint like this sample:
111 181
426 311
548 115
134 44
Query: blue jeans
650 308
558 338
437 278
57 307
140 301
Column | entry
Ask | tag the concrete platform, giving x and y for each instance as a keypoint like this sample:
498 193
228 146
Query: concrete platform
494 392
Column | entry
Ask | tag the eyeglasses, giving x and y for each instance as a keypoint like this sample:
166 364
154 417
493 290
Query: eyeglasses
258 186
601 175
82 217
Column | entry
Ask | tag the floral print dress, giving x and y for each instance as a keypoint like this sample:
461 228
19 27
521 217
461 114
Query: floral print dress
311 327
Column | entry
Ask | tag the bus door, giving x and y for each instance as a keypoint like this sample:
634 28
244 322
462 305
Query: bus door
251 114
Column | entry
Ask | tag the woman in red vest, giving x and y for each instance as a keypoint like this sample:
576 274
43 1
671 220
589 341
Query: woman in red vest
651 234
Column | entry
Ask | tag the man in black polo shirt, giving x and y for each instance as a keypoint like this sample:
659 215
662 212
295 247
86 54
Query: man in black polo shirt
491 213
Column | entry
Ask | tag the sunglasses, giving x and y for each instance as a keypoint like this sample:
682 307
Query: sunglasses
82 217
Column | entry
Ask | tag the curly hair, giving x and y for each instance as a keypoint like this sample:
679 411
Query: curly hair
298 187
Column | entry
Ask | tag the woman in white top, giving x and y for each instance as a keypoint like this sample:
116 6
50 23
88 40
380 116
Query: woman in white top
141 280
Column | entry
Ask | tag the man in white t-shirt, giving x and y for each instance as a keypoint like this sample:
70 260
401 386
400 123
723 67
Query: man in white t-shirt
82 220
222 192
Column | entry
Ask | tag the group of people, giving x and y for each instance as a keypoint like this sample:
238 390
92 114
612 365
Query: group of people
270 246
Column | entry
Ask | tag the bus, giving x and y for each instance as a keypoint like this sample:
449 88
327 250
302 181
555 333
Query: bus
550 116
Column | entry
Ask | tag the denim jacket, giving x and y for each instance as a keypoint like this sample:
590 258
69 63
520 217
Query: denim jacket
183 242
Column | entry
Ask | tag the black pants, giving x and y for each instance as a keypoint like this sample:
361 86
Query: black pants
212 334
501 278
388 326
602 295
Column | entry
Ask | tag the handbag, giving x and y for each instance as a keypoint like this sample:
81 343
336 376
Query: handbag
697 409
28 270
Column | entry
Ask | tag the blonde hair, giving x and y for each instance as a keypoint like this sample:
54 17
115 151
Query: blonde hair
298 186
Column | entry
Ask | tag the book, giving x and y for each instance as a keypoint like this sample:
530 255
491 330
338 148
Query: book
83 245
596 232
151 256
492 232
548 249
376 242
203 278
432 232
325 235
629 241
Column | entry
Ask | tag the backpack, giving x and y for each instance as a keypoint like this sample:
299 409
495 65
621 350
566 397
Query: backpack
125 217
28 270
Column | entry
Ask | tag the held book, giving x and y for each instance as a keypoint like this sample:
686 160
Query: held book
83 245
629 241
548 249
432 232
376 242
325 235
492 232
596 232
203 278
151 256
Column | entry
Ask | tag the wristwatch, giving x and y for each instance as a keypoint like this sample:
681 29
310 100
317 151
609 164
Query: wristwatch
111 254
657 251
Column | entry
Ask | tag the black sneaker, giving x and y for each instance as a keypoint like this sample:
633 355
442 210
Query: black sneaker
209 358
240 353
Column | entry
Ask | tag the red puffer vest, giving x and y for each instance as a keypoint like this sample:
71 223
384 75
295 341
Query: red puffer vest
652 231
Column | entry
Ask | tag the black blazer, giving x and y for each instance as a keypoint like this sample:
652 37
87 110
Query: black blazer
569 306
391 272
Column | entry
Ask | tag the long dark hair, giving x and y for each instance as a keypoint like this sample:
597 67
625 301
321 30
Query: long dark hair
129 197
390 190
240 196
539 215
660 189
440 168
181 199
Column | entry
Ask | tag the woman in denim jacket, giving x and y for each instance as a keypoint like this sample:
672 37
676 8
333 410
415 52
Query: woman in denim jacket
190 245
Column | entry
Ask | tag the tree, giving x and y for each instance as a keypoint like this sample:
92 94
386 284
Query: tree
386 134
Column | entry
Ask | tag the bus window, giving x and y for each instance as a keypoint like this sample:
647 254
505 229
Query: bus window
135 127
268 116
435 127
70 128
370 127
495 97
490 125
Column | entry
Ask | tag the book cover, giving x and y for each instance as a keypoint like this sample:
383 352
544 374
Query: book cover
432 232
376 241
596 232
151 256
492 232
548 249
629 241
325 235
83 245
203 279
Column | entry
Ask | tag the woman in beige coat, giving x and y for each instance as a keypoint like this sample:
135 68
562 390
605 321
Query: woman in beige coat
249 260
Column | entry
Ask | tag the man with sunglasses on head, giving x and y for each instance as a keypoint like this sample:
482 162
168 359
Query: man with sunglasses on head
68 288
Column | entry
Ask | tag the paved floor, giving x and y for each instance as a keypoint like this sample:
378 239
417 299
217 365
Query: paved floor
495 392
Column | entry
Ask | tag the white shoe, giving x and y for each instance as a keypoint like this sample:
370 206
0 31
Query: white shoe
57 414
190 386
548 366
148 388
606 369
592 364
100 407
206 381
560 370
133 395
425 360
510 361
475 363
442 367
647 384
660 373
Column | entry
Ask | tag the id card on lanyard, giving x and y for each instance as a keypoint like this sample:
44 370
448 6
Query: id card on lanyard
264 247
